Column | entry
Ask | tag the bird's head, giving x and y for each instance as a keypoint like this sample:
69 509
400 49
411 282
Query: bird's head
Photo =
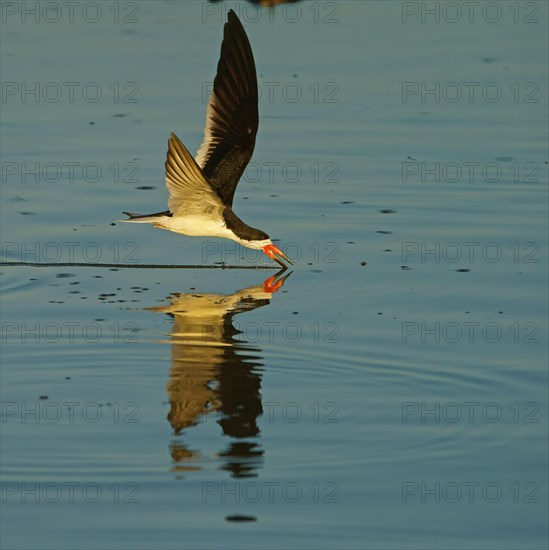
261 241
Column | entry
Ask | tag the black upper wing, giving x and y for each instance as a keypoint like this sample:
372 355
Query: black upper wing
232 116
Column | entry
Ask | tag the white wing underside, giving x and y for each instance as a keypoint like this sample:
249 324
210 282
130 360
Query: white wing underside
208 142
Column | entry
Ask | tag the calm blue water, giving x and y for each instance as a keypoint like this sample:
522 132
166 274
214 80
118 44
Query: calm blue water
392 393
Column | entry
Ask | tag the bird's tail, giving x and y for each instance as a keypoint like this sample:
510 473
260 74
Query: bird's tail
145 218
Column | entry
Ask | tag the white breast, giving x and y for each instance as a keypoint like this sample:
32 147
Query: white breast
197 226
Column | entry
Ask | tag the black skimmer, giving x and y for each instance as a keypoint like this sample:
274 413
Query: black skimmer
202 190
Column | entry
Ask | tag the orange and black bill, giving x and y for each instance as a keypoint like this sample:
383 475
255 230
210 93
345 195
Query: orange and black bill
275 254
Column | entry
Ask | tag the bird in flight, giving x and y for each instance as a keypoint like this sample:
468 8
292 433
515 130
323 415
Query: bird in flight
202 190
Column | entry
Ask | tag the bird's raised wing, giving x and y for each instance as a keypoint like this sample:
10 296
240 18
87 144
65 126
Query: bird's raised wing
231 117
190 193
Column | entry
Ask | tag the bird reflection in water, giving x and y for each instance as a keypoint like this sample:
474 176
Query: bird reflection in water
216 372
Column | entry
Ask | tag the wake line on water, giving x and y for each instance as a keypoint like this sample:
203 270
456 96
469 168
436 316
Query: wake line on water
135 266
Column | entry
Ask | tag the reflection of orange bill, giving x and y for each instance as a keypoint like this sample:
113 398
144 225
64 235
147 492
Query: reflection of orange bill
272 284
